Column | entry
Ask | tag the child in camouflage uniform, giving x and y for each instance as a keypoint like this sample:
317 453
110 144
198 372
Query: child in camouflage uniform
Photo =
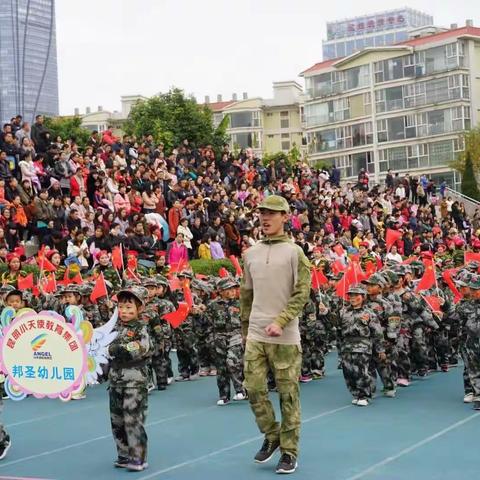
228 341
128 376
361 335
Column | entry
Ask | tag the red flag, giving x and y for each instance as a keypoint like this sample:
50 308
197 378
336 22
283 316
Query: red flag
236 264
471 257
391 237
187 295
100 288
428 280
433 302
25 283
223 272
318 278
77 279
178 267
200 276
409 260
45 264
338 266
49 284
338 249
176 318
117 257
370 268
447 277
174 284
354 274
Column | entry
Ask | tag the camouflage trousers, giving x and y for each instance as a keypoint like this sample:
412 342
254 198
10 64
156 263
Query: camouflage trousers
467 385
419 353
186 352
401 366
437 348
472 364
229 365
384 369
128 408
206 349
4 437
285 362
356 374
454 342
314 346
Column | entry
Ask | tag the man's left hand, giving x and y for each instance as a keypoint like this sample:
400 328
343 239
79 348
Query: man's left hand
273 330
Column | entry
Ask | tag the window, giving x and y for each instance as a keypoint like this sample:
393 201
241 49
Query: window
286 145
437 122
367 98
269 114
382 131
397 158
394 98
422 127
285 135
458 144
379 72
341 108
243 140
410 126
344 137
441 153
256 118
454 86
383 159
396 129
241 119
284 120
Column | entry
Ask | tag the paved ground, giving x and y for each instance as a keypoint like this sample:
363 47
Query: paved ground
425 433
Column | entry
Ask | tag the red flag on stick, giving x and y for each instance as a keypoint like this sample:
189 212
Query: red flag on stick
472 257
49 284
25 283
433 302
100 288
338 266
223 273
174 284
178 267
176 318
117 257
46 265
370 268
447 277
391 237
318 278
428 280
236 264
338 249
409 260
187 294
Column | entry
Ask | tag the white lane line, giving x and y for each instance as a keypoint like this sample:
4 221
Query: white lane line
96 439
232 447
47 417
413 447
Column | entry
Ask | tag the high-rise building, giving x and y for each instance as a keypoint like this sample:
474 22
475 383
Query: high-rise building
402 107
348 36
28 59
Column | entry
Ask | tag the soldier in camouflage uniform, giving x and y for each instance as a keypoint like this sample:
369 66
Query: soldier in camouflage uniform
362 335
162 364
462 311
186 341
90 309
225 311
389 320
469 313
203 325
128 377
314 336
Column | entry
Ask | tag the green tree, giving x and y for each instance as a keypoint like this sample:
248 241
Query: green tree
471 140
469 182
68 128
277 158
173 117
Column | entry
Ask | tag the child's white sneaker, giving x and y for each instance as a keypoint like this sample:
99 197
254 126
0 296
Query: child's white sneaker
468 398
239 396
223 401
362 402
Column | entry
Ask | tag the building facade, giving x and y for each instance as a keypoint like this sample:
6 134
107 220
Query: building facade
402 107
266 125
28 59
348 36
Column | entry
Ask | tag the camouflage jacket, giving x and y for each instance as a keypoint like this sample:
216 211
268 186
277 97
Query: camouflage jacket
468 312
130 352
388 317
361 331
226 322
415 313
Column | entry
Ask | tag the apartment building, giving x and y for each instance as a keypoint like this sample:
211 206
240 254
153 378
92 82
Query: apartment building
266 125
401 107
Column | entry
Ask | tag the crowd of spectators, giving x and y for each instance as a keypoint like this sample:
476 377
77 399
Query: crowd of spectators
192 202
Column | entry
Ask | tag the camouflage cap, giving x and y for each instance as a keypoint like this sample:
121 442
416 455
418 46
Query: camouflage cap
473 266
275 203
14 291
334 276
185 274
85 289
6 288
161 281
226 283
149 282
137 291
202 286
356 289
463 278
391 277
417 267
375 279
474 282
72 288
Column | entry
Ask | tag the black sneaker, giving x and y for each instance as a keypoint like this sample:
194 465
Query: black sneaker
267 451
121 462
5 447
476 406
286 464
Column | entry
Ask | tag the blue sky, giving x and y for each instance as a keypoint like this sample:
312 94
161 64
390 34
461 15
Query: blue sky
108 48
